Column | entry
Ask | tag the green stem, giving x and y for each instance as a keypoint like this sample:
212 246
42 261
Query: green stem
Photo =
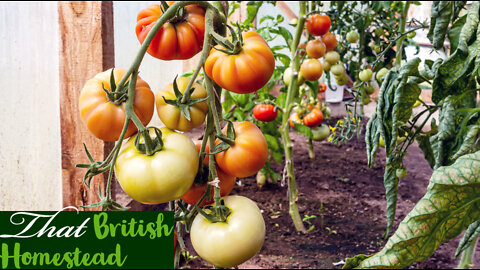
311 153
466 261
403 19
292 187
209 15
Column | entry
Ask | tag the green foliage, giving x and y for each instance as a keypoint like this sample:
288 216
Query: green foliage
451 204
452 201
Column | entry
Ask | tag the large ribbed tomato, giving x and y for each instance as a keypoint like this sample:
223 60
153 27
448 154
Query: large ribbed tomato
162 177
106 119
180 38
195 193
245 72
248 154
172 116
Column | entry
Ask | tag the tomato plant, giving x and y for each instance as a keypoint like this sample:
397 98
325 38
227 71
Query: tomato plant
230 243
265 112
102 105
254 60
179 38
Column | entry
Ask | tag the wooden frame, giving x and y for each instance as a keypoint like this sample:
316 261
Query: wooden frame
86 48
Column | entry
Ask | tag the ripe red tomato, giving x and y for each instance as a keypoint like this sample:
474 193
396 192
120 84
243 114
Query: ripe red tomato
265 112
180 39
315 48
245 72
318 25
322 87
330 41
311 69
314 118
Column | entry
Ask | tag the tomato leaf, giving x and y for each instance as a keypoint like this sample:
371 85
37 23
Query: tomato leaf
470 235
450 205
452 75
304 130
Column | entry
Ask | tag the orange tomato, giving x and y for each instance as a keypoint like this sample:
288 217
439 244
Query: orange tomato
315 48
330 41
294 118
180 39
247 155
311 69
105 119
245 72
317 24
172 116
195 193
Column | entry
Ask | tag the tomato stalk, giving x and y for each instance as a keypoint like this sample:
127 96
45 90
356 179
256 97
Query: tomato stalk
401 26
466 262
295 65
311 152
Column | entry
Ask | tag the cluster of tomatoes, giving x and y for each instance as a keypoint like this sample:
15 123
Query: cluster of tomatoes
311 112
172 171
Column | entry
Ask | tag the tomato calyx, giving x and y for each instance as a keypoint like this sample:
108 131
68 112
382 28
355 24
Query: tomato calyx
233 47
117 94
184 101
180 15
227 140
217 213
150 145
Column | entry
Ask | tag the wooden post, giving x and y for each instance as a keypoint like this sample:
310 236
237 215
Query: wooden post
86 48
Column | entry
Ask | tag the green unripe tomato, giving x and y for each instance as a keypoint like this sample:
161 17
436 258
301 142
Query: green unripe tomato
366 100
352 37
342 80
320 133
379 31
401 173
381 73
365 75
332 57
369 90
287 77
376 48
294 21
337 69
326 65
